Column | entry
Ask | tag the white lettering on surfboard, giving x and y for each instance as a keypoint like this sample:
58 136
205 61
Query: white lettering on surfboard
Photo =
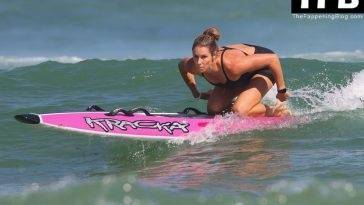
111 124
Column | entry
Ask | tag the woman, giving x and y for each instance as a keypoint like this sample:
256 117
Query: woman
242 74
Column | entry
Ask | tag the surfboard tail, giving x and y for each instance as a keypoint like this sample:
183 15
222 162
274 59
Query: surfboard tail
28 118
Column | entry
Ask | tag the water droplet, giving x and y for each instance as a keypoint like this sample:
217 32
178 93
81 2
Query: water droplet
107 180
127 200
127 187
348 187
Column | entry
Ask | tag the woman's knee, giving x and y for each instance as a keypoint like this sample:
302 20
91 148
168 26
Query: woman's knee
241 110
245 103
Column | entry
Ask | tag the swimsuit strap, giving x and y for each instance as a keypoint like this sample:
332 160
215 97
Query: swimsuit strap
223 70
222 67
222 63
215 84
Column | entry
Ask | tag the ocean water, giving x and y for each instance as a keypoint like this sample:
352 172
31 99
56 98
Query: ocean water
74 30
59 56
319 161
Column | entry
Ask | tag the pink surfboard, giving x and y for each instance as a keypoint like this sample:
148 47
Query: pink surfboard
140 125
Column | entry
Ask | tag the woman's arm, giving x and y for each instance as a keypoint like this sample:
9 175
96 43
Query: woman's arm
236 65
188 77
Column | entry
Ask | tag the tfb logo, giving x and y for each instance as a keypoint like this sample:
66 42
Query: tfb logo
327 6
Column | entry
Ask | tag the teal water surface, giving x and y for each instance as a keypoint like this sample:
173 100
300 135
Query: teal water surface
161 29
319 161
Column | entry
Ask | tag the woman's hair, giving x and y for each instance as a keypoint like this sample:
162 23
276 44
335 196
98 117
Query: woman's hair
214 32
208 39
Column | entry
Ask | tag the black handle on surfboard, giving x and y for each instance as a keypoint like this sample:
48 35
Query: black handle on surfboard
146 112
117 110
128 112
189 109
94 107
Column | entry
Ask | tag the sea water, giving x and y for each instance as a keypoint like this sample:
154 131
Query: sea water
59 56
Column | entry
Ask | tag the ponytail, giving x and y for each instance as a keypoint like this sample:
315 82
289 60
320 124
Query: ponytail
208 39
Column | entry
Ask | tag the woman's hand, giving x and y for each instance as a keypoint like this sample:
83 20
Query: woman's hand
202 95
282 96
206 95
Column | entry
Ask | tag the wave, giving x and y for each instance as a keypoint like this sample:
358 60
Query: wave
7 63
334 56
130 190
349 96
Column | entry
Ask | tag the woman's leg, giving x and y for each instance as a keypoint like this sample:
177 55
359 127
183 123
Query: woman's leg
249 100
219 100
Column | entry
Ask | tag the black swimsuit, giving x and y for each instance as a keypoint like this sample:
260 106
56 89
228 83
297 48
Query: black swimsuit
245 78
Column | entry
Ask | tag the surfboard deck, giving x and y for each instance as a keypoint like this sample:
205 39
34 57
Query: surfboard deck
165 126
158 126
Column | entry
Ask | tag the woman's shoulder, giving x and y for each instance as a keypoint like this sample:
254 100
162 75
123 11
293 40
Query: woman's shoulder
232 59
246 49
187 64
232 56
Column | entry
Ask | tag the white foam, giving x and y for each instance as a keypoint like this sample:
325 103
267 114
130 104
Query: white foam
60 184
7 63
231 124
336 56
211 133
343 98
328 98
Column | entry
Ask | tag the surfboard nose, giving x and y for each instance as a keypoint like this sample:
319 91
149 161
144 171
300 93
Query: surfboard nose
28 118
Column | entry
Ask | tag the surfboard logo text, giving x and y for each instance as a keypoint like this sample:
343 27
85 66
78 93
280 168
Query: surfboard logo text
110 124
